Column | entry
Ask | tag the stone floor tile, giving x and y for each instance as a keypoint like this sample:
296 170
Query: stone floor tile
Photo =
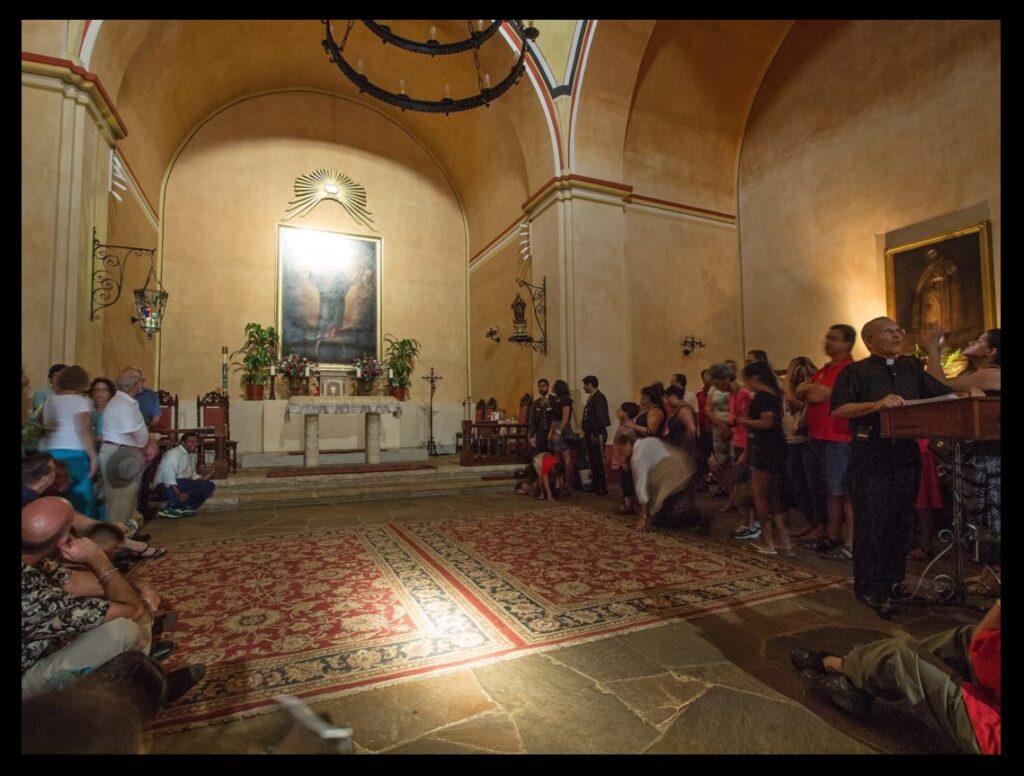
558 711
384 717
606 659
724 721
676 644
657 699
492 732
434 746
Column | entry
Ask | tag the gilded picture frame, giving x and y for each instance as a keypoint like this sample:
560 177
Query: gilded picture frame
945 280
328 295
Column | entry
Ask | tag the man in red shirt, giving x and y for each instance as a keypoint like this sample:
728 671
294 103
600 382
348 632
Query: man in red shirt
960 691
831 439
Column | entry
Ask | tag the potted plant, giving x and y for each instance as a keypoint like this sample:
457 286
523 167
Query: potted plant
400 355
258 353
368 371
295 369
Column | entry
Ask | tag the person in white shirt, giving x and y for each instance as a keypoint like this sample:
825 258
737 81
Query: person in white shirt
184 490
126 448
69 435
659 472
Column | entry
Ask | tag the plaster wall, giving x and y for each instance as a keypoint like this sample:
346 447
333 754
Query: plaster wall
40 177
123 342
45 36
63 195
602 311
503 369
228 191
860 129
690 105
683 279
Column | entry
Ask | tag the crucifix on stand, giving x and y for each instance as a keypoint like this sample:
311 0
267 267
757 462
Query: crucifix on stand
432 379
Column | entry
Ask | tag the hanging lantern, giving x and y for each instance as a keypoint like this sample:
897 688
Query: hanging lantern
150 303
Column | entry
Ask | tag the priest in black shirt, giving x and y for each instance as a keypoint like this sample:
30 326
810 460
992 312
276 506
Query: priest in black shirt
883 472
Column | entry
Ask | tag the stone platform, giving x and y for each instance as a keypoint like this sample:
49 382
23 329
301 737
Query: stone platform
250 488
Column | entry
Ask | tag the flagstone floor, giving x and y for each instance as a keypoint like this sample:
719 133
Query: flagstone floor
718 683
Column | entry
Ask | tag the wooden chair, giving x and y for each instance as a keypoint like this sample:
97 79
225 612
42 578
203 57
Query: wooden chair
168 410
213 409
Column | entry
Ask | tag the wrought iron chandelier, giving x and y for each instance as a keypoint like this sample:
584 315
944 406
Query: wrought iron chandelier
478 33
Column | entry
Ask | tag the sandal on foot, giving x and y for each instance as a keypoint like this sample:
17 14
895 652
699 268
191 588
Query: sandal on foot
840 552
149 553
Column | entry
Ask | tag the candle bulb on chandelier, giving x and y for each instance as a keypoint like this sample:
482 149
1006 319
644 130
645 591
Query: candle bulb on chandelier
487 80
359 66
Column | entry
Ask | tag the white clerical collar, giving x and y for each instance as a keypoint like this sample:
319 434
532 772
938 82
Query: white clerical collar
890 361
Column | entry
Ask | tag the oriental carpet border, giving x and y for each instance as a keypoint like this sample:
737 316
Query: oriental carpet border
324 614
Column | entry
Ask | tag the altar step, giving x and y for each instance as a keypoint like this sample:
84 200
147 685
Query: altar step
250 488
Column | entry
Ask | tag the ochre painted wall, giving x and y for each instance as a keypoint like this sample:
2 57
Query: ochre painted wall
124 343
228 191
39 146
683 279
503 369
860 129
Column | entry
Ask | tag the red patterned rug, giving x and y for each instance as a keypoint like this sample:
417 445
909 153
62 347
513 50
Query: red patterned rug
322 614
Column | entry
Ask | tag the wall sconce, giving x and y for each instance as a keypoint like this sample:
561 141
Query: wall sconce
538 296
108 266
690 343
492 333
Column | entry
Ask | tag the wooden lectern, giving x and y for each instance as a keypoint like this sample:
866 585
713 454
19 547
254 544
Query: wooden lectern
957 420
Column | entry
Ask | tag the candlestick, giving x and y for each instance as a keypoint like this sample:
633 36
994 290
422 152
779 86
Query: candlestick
273 369
359 373
224 354
307 371
391 373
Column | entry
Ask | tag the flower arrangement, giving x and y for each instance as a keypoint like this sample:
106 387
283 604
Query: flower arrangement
367 368
295 366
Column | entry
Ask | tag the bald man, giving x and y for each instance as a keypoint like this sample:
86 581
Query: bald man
72 620
883 472
124 429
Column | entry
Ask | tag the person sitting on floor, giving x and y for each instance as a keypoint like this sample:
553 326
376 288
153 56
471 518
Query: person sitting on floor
41 475
959 692
184 490
107 711
74 620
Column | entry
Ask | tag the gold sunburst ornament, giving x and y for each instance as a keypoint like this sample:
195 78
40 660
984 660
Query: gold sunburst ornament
313 188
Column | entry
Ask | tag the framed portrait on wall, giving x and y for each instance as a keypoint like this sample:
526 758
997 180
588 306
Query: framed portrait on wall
328 295
945 281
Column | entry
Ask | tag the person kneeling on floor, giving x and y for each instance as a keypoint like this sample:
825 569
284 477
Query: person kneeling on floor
184 490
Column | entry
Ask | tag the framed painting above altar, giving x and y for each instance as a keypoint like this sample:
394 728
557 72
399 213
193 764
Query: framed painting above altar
328 294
